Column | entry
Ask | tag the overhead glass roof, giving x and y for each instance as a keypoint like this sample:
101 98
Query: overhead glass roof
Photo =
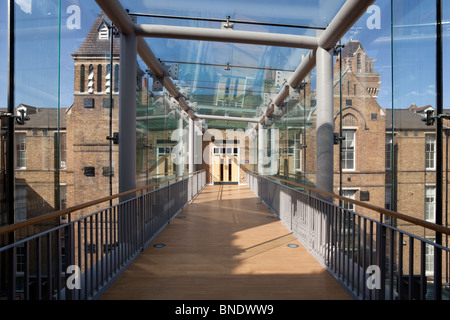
310 13
231 78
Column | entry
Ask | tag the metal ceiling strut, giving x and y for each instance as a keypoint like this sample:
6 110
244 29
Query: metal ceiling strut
350 12
321 55
226 35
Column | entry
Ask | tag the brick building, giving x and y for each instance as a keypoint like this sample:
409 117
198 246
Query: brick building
90 117
363 128
411 172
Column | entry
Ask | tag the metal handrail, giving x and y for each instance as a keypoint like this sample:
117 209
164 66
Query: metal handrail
56 214
401 216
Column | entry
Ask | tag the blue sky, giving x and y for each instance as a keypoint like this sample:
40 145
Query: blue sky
37 46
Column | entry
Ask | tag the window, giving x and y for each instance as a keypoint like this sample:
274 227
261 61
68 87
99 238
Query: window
348 150
430 203
20 256
108 78
389 152
104 33
82 77
351 194
430 152
91 79
116 78
358 63
63 197
429 257
21 150
20 203
298 152
62 150
99 78
387 198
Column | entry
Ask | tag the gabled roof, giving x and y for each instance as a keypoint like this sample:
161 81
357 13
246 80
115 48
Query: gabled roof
93 45
351 47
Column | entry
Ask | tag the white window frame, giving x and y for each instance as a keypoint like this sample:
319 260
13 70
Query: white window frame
62 160
22 167
350 194
429 153
298 151
429 257
388 197
389 149
354 130
430 209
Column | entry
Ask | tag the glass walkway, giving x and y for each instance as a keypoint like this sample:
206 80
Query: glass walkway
238 150
226 245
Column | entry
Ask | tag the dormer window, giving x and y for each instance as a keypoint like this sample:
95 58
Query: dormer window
104 33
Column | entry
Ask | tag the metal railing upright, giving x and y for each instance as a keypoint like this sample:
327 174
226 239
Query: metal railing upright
80 259
370 258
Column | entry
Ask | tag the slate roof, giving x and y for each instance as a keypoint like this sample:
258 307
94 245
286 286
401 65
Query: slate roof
406 119
43 118
350 48
93 45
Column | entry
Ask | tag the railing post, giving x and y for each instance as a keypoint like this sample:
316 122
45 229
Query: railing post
381 258
69 257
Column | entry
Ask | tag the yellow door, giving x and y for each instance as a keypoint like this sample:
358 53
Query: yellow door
217 167
235 169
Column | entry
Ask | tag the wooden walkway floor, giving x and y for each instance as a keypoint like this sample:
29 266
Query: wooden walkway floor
226 245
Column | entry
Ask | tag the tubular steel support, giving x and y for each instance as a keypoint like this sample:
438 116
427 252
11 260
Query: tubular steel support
191 145
439 150
325 121
226 118
349 14
127 113
223 35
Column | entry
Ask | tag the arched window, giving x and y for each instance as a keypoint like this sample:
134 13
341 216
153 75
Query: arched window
108 79
104 33
349 120
82 77
359 63
116 78
99 78
91 79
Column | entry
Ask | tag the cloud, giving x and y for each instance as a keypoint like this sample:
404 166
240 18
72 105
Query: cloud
25 5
